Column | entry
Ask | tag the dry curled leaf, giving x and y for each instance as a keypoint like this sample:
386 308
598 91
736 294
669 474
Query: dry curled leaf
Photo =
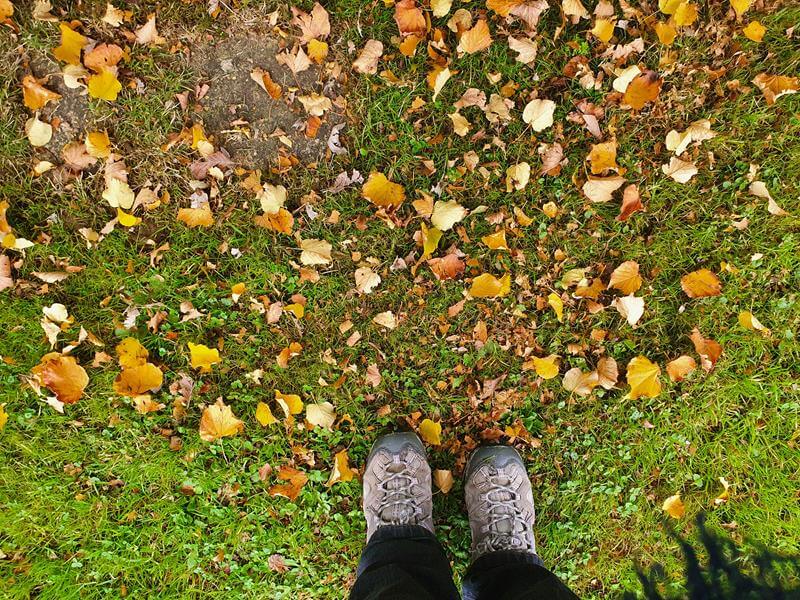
62 375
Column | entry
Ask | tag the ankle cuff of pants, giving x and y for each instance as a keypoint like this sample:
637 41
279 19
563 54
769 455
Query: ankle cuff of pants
504 557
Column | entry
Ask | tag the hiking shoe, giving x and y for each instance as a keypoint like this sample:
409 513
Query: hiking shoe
499 501
397 483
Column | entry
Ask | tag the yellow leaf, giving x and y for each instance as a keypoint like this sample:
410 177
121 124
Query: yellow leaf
317 51
674 507
98 144
679 368
754 31
437 78
6 10
476 39
496 240
443 479
489 286
685 14
196 217
315 252
666 33
557 304
131 353
104 85
144 404
237 289
341 469
550 209
72 43
382 192
723 497
287 353
749 321
296 480
298 310
290 403
408 47
502 7
35 95
603 29
322 414
625 278
127 219
440 8
430 432
3 416
430 239
740 6
447 214
203 357
282 222
264 415
700 284
643 377
668 7
62 375
547 367
218 421
603 157
523 219
139 379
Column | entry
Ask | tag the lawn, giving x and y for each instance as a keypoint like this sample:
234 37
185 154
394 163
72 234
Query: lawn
127 493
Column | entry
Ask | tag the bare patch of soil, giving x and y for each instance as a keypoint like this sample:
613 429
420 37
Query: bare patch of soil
252 126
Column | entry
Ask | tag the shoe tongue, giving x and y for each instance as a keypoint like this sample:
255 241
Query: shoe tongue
397 513
504 526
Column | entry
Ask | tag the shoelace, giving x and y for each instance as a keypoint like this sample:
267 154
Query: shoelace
502 508
399 500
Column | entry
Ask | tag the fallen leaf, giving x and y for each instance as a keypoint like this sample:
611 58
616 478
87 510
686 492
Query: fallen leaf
296 480
603 29
290 403
38 132
708 349
62 375
366 280
447 214
315 252
517 176
138 379
296 62
630 307
131 353
698 131
700 284
288 353
607 372
740 6
666 33
382 192
579 382
643 377
386 319
538 114
430 432
35 95
437 78
341 469
104 85
199 216
218 421
282 222
367 61
679 170
3 414
461 126
679 368
443 479
488 286
626 278
759 189
601 189
98 144
631 202
203 357
72 43
315 104
148 34
144 404
266 83
447 267
574 8
264 415
526 49
321 415
749 321
409 18
674 507
685 14
440 8
314 25
643 89
725 495
272 198
102 56
547 367
476 39
496 241
557 304
603 157
775 86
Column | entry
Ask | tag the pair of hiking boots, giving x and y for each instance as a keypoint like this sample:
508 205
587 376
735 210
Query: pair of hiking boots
397 491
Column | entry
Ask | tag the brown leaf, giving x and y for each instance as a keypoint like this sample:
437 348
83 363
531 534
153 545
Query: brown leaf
367 61
447 267
631 202
708 349
312 26
295 481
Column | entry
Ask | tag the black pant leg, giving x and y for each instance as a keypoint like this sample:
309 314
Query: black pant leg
512 576
404 562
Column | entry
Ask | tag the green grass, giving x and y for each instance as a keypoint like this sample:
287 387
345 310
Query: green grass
93 503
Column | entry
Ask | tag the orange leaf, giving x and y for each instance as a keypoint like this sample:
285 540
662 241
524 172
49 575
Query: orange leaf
674 507
775 86
679 368
196 217
409 18
62 375
102 56
476 39
643 89
708 349
625 277
296 480
700 284
290 351
603 157
218 421
282 221
341 469
34 95
140 379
